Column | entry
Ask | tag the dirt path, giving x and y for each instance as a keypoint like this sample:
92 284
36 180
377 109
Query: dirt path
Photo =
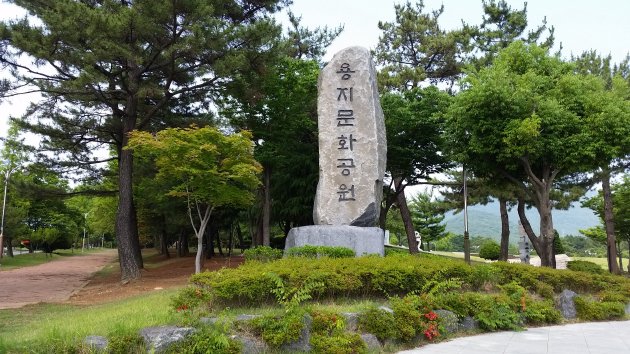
73 279
54 281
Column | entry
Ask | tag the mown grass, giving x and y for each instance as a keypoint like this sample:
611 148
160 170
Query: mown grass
42 328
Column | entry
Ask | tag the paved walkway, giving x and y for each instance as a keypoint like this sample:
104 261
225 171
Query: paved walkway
579 338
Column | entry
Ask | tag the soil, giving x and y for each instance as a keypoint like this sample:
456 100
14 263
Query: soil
95 278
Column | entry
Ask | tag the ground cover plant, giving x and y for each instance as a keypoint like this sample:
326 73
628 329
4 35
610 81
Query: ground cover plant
404 295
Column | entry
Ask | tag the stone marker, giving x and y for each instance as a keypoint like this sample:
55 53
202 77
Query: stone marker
352 142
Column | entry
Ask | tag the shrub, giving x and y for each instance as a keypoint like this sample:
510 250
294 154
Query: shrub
341 343
279 330
208 339
320 251
262 254
490 250
589 310
379 322
541 312
585 266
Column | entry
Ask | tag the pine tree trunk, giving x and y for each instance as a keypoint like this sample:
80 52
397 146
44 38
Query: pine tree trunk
505 229
129 254
8 241
239 234
609 222
401 201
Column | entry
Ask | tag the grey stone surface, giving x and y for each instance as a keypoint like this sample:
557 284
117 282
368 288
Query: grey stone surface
97 343
158 339
208 320
363 240
468 324
386 309
449 320
371 341
303 343
566 305
251 345
246 317
628 308
352 141
352 321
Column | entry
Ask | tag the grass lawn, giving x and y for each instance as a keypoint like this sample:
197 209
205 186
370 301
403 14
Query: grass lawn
43 325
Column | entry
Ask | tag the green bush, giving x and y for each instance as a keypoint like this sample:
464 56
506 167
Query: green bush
320 251
279 330
262 254
541 312
585 266
208 339
589 310
389 276
379 322
490 250
341 343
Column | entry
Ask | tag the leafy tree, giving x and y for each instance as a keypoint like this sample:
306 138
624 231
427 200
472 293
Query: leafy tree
283 122
525 117
414 127
609 134
427 216
207 168
107 68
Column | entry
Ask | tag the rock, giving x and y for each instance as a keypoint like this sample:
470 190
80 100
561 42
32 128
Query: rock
208 320
386 309
158 339
468 324
244 318
448 320
362 240
628 308
251 345
372 342
352 321
303 343
352 141
97 343
566 305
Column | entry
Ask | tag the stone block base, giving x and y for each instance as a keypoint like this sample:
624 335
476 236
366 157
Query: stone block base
363 240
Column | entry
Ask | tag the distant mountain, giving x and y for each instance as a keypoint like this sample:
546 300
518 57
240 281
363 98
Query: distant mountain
484 220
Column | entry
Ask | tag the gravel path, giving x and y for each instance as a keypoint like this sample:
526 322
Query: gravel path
54 281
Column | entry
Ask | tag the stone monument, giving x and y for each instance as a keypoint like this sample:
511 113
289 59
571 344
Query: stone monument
352 157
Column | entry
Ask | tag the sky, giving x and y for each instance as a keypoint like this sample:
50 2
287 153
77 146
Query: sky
580 25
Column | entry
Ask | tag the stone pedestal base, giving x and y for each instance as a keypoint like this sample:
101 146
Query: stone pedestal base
363 240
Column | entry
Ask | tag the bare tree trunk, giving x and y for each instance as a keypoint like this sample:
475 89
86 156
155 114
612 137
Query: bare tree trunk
231 241
609 222
218 238
401 201
266 210
164 238
182 245
542 244
9 242
390 199
239 234
505 229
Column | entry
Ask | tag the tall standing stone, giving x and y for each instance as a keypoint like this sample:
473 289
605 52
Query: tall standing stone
352 142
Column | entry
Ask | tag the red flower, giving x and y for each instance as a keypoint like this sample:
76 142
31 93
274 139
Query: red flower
431 316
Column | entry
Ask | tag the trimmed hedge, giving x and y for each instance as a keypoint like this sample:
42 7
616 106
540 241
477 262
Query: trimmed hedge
262 254
388 276
585 266
320 251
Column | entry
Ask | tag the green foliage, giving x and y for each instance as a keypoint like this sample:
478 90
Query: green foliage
427 216
379 322
123 344
262 254
279 330
490 250
541 312
190 298
291 297
589 310
328 335
320 251
206 340
585 266
397 274
340 343
558 246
